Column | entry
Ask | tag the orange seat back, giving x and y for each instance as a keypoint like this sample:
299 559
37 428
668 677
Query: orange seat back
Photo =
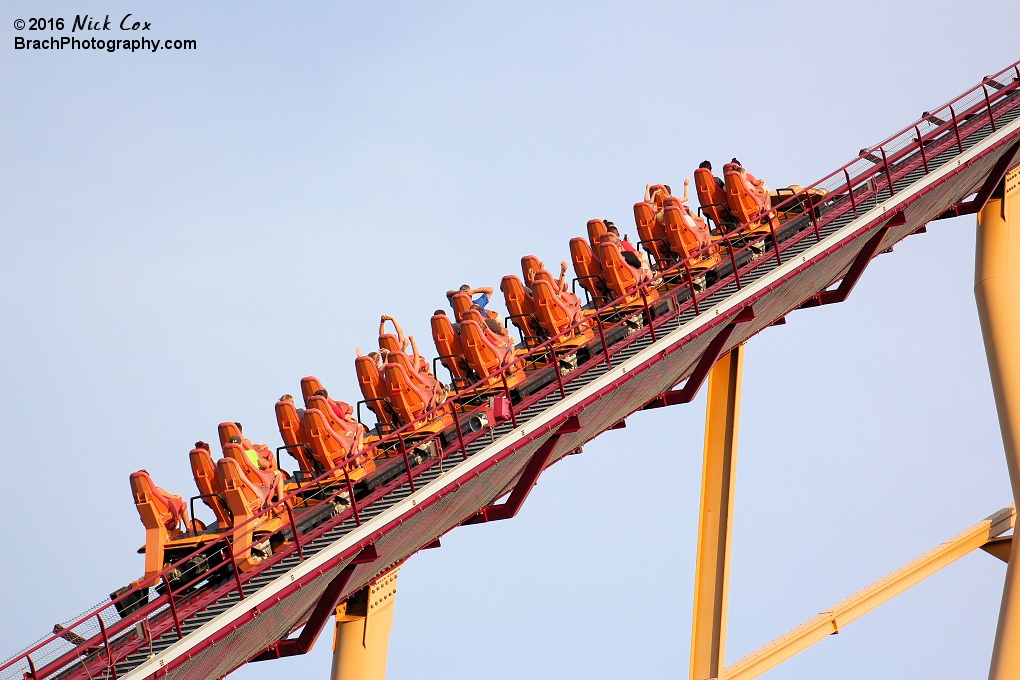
409 401
203 469
680 238
529 265
245 500
373 390
712 197
595 230
292 431
484 357
329 447
621 278
651 231
344 428
156 507
227 430
554 315
309 386
747 202
389 342
521 306
461 302
448 344
587 267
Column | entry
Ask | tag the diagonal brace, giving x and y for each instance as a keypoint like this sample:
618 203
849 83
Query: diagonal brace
712 353
325 607
992 182
853 275
526 482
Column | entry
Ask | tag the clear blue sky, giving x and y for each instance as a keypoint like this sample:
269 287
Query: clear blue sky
184 235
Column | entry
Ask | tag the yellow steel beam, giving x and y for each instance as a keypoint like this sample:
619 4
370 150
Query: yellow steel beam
362 639
718 480
997 289
863 601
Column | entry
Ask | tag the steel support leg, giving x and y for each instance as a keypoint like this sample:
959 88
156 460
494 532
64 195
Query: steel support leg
997 288
362 638
718 478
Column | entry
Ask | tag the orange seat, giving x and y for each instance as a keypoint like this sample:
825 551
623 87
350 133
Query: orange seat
595 230
713 200
461 302
389 342
621 278
245 500
343 427
486 351
450 348
254 474
309 386
521 306
554 314
292 431
587 268
162 515
689 237
748 203
408 398
228 430
203 469
330 448
651 232
373 390
529 265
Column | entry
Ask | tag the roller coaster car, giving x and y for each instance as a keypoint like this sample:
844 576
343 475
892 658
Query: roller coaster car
295 438
451 350
652 234
621 278
246 499
689 237
749 201
810 198
714 202
164 516
521 306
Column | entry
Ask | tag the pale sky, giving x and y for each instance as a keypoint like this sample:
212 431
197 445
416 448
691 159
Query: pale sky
185 234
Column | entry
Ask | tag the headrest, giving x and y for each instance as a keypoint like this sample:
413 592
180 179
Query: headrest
228 430
529 265
389 342
595 230
309 386
461 303
544 275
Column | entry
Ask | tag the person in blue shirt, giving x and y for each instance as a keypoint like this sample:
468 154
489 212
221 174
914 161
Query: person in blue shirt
484 293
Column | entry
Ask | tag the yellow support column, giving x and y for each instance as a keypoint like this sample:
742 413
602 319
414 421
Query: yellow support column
362 638
718 480
997 288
